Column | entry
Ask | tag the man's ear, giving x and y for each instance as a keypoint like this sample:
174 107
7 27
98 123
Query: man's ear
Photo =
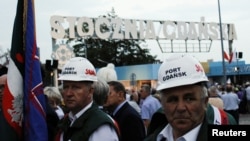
120 94
206 101
91 90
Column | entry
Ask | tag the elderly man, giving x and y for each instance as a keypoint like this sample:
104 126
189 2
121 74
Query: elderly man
185 111
182 84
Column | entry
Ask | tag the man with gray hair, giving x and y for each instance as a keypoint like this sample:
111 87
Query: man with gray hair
182 84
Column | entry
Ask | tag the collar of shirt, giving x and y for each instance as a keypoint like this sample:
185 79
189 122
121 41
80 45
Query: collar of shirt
167 133
72 117
118 107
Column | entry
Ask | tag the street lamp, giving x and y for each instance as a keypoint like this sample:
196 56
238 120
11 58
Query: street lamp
51 68
237 68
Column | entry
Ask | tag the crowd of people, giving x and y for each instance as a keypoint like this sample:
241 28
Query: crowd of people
90 107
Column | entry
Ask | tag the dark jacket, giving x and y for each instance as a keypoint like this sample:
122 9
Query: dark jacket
6 131
130 124
202 135
52 120
159 121
85 125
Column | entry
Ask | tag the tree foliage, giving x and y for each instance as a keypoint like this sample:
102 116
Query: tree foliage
119 52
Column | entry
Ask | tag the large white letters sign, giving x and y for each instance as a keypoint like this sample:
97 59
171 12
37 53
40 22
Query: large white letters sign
139 29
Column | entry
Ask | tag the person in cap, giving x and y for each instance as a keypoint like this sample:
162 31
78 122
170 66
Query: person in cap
85 121
182 85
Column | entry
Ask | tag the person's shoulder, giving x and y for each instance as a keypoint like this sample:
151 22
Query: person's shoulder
231 120
158 121
226 118
129 109
97 113
150 99
152 135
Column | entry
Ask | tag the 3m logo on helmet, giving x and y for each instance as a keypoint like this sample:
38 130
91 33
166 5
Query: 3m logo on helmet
90 72
173 73
198 68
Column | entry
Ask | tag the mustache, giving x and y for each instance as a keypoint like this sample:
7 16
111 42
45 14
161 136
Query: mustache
181 116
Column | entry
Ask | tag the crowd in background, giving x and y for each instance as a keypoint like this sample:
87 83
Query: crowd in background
134 114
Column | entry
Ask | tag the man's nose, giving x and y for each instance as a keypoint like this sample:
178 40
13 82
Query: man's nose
181 105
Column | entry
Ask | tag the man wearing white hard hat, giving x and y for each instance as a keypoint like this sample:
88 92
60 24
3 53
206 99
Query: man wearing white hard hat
185 111
182 84
85 121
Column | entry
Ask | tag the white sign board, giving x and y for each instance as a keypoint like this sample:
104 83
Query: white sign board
139 29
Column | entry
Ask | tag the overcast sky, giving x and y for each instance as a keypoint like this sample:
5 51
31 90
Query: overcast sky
232 11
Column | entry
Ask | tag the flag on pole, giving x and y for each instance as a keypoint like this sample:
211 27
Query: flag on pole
23 101
233 56
226 56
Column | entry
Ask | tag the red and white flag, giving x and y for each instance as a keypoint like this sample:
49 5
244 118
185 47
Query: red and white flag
24 103
233 56
226 56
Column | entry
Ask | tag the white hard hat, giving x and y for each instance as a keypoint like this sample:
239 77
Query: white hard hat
179 70
78 69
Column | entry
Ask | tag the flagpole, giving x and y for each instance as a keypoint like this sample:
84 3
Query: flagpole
222 46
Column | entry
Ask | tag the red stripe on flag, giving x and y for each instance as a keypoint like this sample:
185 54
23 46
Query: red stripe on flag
232 56
33 98
224 119
11 112
226 56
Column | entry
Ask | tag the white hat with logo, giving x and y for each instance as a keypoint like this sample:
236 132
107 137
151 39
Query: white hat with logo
179 70
78 69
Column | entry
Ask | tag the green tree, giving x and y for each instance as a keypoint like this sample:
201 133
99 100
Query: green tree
119 52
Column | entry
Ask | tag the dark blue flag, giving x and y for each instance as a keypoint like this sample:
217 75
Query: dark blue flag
24 100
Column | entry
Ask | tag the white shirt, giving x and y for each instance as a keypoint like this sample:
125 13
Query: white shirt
135 106
167 133
104 132
59 112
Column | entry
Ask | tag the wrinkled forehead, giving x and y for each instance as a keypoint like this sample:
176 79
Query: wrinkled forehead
183 90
